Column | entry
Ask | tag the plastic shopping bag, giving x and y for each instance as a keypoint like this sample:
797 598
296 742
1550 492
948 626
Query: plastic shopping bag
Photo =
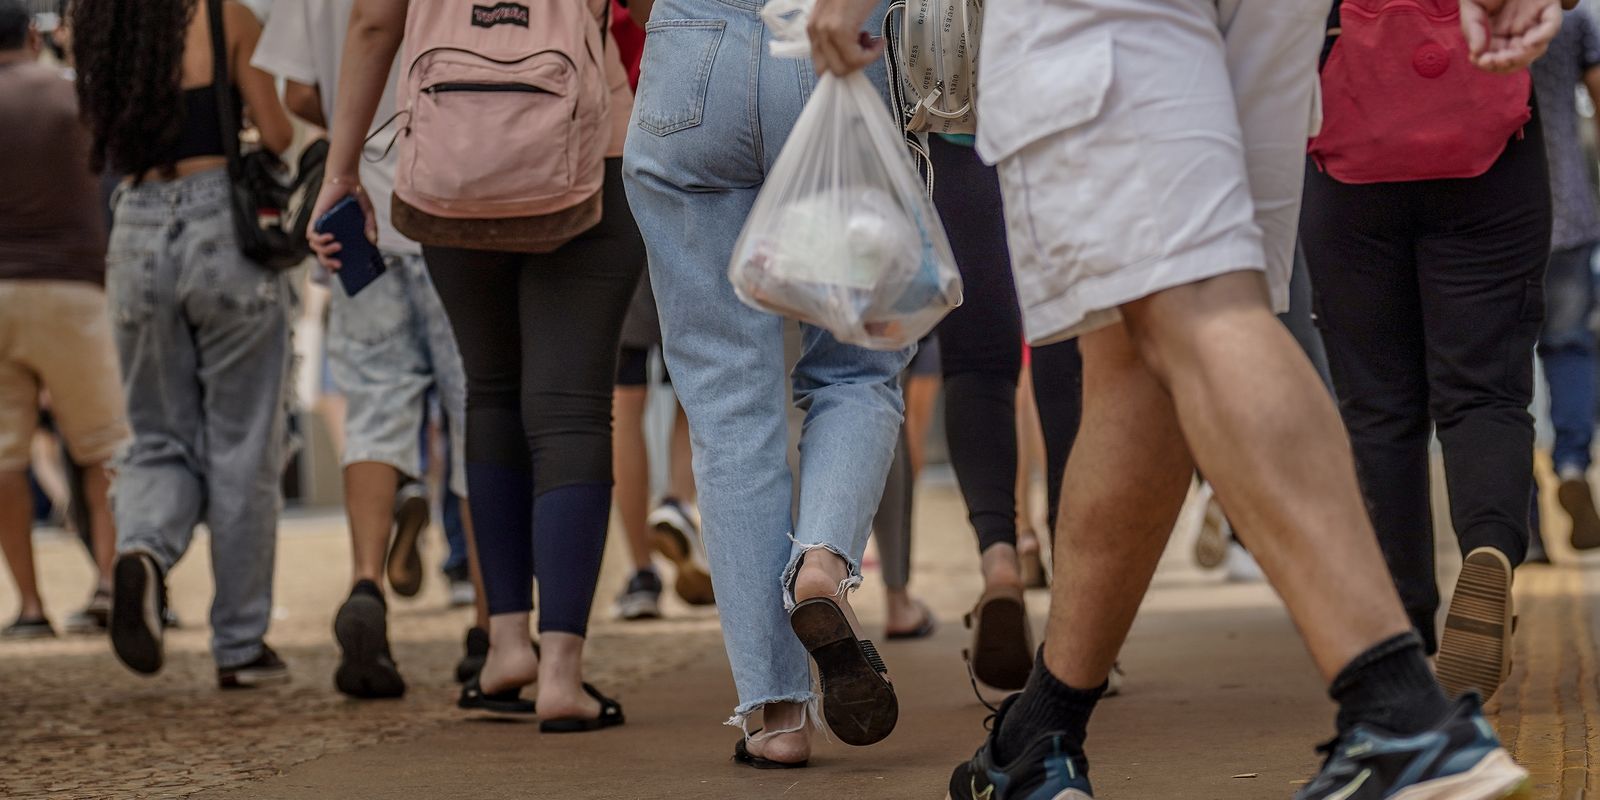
843 235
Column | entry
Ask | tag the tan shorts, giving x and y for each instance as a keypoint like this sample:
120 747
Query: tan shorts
1146 145
56 336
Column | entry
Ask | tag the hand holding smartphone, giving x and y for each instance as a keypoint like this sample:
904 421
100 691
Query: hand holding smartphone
360 263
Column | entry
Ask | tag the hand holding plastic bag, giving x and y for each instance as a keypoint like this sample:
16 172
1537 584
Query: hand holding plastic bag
843 235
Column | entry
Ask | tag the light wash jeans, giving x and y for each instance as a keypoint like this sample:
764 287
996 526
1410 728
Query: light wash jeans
1567 347
712 113
203 336
388 346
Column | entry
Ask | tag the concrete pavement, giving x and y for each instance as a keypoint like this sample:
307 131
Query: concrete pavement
1221 701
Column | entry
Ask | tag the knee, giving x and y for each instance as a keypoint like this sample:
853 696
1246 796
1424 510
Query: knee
569 436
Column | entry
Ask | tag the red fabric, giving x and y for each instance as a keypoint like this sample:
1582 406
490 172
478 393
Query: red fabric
1402 101
630 40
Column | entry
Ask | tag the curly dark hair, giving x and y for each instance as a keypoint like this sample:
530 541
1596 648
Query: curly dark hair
129 59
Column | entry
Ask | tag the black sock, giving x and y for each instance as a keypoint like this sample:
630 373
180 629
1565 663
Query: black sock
1390 687
367 587
1046 705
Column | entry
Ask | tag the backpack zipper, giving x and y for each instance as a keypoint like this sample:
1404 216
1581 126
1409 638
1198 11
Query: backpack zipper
484 87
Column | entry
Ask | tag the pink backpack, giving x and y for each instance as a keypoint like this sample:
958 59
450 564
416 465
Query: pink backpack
505 136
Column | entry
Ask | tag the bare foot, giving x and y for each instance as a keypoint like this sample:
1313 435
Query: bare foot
905 614
1001 567
561 694
790 747
511 662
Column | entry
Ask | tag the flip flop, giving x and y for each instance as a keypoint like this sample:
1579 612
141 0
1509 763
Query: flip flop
923 631
1002 640
742 755
858 702
610 717
508 702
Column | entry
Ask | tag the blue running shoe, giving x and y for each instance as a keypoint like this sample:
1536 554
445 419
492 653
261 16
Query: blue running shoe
1461 759
1049 769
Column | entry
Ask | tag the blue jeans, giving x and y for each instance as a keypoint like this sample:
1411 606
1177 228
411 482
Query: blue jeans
712 113
203 337
387 347
1567 347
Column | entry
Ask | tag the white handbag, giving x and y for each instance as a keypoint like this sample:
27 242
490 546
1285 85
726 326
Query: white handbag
933 63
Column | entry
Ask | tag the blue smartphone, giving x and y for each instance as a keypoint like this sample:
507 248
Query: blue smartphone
360 263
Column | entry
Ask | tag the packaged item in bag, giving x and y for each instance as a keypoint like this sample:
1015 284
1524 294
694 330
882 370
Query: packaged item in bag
843 235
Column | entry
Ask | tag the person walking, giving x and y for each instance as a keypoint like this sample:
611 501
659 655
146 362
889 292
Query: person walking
388 347
538 334
1567 342
696 155
1152 201
1429 290
202 332
55 337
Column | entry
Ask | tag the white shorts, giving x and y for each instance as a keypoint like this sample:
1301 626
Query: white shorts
1145 145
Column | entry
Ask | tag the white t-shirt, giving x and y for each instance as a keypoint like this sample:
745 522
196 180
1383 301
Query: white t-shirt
303 42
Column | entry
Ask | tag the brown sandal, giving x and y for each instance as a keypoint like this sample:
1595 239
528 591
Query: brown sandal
1002 640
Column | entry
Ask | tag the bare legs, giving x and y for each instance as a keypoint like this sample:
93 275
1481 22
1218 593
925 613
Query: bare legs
630 462
16 540
1208 367
369 489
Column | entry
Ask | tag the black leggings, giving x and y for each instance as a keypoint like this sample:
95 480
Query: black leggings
981 351
1430 296
538 336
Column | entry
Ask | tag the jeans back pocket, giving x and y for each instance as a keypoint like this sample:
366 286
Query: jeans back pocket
676 74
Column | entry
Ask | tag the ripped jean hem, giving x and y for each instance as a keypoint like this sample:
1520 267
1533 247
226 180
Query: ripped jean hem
791 572
741 715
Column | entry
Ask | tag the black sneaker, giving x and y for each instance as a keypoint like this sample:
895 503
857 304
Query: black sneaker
138 606
642 597
1460 759
266 670
477 651
366 667
411 517
462 591
1048 768
31 628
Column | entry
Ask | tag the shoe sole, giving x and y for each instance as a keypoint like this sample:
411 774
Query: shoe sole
29 635
366 670
1475 651
405 562
693 583
1495 777
255 678
637 612
1002 651
1070 794
1578 501
135 618
1034 575
858 703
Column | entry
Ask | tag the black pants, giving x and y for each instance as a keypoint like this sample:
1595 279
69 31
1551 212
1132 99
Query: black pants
981 354
538 336
1430 297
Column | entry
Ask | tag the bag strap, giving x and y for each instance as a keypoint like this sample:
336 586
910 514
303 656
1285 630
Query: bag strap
227 115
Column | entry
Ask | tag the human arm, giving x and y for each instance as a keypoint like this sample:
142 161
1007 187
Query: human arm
256 88
304 102
1508 35
376 28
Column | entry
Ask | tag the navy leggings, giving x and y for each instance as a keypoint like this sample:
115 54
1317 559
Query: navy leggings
538 336
981 354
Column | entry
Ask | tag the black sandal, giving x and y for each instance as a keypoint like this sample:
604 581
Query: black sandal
610 717
742 755
858 701
508 702
928 626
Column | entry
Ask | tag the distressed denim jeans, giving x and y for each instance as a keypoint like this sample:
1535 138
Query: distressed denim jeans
712 113
203 337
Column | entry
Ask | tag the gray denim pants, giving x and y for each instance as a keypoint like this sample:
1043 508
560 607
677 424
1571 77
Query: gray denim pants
203 337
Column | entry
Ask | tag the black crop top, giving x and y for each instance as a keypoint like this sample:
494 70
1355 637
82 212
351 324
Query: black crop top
202 128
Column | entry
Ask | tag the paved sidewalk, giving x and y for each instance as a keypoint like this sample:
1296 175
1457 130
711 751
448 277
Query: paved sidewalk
1221 703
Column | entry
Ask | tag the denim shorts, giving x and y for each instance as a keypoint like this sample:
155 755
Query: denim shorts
387 347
